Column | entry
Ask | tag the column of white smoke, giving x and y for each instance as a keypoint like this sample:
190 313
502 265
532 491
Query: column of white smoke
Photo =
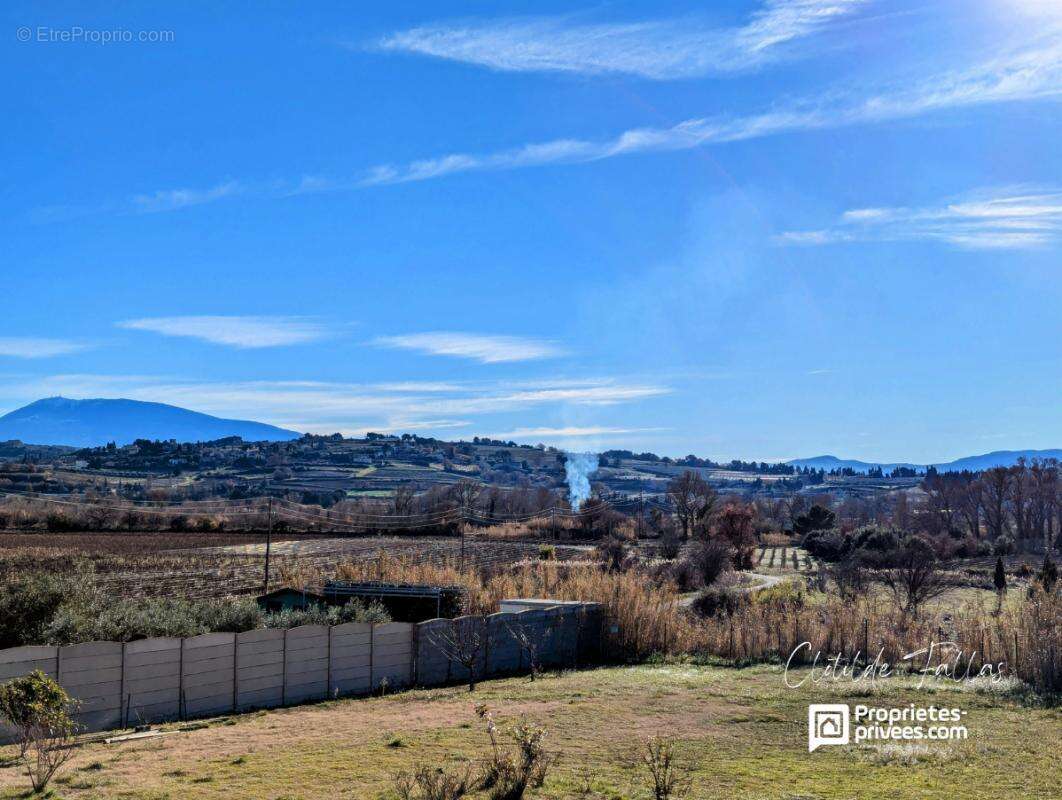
578 467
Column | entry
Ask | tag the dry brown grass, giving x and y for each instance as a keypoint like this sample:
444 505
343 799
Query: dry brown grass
740 731
648 618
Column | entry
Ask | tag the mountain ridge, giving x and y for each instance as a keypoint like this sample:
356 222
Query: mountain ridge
96 421
975 463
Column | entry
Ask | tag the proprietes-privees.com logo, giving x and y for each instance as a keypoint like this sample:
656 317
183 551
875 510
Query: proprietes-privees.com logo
837 723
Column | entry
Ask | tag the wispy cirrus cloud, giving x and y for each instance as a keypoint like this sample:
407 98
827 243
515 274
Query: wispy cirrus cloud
1003 219
329 406
234 331
570 432
1032 73
173 199
657 49
477 347
29 347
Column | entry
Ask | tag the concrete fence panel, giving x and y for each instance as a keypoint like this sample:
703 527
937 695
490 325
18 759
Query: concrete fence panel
152 682
259 669
19 661
208 674
351 666
156 680
92 673
505 654
306 664
433 666
392 655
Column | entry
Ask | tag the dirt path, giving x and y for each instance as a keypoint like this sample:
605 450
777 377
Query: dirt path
764 582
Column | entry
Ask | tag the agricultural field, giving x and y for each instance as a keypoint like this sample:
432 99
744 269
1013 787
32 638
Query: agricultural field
202 565
740 732
773 560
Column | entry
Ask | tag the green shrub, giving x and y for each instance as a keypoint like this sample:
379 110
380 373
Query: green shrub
714 602
783 595
27 607
58 522
123 620
46 610
357 611
37 709
230 616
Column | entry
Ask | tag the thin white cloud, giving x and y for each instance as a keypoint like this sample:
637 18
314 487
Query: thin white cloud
173 199
478 347
243 332
1034 73
659 50
28 347
395 426
569 432
1004 219
333 406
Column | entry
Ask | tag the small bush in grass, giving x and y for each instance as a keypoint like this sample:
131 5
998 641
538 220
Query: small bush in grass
433 783
787 594
37 708
505 776
667 778
719 602
547 552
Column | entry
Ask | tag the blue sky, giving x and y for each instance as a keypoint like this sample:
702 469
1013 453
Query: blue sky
762 229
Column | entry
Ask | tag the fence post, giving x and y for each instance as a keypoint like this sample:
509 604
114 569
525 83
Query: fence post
414 654
180 682
328 680
284 672
235 670
866 640
123 709
372 654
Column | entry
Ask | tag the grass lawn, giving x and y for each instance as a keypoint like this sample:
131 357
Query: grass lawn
742 731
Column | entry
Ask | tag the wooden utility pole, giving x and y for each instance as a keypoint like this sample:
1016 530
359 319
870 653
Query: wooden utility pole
269 544
463 527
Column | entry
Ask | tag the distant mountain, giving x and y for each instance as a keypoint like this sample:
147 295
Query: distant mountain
998 458
91 423
833 462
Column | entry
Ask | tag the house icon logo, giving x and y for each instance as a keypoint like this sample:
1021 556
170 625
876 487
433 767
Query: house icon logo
827 724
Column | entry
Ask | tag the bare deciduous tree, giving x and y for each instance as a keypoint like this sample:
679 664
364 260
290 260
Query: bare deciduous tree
528 643
693 499
465 640
913 574
465 493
